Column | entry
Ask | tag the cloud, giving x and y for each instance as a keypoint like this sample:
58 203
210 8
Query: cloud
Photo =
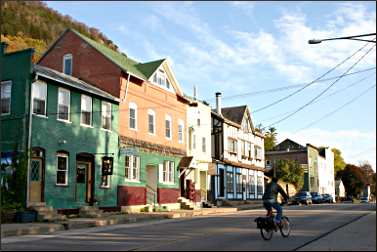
355 145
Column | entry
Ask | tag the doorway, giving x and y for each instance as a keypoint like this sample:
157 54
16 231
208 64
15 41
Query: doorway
152 179
85 179
37 176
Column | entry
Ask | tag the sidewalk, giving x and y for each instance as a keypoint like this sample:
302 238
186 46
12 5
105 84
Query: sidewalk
35 228
343 239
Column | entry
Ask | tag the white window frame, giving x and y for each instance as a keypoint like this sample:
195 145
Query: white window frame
3 84
161 74
69 105
168 118
181 135
57 168
168 168
39 83
153 114
65 57
132 105
91 111
104 114
130 175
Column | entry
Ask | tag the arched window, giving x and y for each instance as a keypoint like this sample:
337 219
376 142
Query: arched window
151 122
133 116
67 64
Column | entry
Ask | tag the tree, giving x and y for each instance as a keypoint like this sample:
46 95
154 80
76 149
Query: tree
270 139
339 163
290 171
370 176
353 179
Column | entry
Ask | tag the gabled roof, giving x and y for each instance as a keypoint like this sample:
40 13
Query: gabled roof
140 70
149 68
72 82
289 144
234 114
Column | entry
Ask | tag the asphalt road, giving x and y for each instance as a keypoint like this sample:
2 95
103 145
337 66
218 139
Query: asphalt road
226 232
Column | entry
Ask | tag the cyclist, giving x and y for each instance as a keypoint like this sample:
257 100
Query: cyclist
270 195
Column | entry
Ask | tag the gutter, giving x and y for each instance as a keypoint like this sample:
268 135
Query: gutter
128 81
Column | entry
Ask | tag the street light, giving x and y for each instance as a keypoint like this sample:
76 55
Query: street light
355 37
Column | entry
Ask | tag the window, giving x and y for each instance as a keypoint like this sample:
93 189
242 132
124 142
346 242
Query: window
232 145
180 131
151 121
67 64
258 152
168 133
6 95
252 184
245 125
160 78
86 110
198 121
105 181
133 115
194 142
62 169
168 172
132 168
63 104
106 115
239 183
203 144
229 182
243 149
249 150
39 92
259 185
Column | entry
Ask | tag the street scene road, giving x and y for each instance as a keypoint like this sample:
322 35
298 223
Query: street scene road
315 227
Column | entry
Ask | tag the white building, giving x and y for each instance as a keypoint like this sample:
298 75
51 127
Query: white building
326 180
238 154
194 167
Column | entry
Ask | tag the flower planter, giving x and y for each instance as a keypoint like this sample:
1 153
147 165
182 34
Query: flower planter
26 216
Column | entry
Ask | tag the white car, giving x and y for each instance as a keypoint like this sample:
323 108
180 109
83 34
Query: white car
364 200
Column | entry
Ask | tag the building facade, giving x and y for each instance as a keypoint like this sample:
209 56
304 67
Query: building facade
72 133
317 162
152 116
194 182
237 153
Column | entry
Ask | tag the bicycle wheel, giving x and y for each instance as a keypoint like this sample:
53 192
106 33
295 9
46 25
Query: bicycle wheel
266 233
285 226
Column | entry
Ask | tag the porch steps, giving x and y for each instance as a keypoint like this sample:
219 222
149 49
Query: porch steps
47 213
186 203
92 212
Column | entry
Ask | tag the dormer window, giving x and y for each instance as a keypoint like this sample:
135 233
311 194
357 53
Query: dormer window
246 126
160 79
67 64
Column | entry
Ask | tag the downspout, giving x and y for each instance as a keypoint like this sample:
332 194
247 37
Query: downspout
29 141
125 94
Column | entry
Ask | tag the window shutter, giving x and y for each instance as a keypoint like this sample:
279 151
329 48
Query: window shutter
160 169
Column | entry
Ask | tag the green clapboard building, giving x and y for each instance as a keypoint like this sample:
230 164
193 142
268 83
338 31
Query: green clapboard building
71 135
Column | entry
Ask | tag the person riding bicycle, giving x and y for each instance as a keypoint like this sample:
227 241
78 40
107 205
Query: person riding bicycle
270 201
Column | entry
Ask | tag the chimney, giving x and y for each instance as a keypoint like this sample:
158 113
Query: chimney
195 94
218 103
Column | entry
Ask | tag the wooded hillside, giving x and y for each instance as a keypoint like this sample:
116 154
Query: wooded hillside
26 24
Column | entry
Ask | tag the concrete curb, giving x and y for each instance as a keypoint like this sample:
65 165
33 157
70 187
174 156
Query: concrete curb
78 223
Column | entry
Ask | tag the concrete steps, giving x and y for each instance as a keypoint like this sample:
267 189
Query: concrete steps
186 204
47 213
91 212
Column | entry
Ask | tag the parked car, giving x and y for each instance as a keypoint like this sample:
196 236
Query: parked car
303 197
316 198
364 200
327 198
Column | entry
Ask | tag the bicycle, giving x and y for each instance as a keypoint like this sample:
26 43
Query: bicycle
267 226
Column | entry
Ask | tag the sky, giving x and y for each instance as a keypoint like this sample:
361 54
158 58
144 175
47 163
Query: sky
241 48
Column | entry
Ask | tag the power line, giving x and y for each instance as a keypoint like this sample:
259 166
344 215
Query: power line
272 90
310 83
322 98
324 91
339 108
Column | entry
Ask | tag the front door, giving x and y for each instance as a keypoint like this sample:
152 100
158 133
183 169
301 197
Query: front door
84 182
36 180
151 184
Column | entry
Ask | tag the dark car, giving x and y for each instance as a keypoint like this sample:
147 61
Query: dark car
327 198
316 198
302 197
